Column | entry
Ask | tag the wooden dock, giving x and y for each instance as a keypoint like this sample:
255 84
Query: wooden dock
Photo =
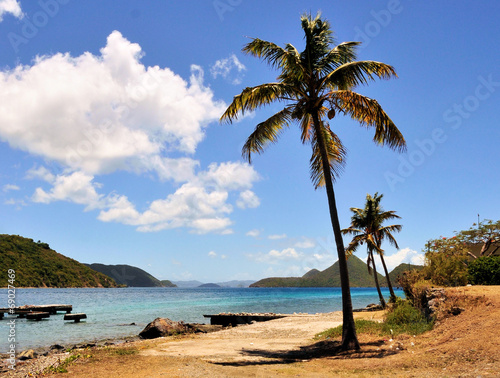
229 319
52 309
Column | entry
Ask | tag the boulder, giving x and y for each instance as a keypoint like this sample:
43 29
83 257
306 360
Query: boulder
162 327
27 355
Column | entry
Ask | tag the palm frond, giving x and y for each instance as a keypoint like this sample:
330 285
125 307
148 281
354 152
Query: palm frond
369 113
266 132
339 55
350 75
336 153
252 98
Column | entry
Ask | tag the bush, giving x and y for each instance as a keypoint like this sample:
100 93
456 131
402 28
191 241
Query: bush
404 318
446 262
485 271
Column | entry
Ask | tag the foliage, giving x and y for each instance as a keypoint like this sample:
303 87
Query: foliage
415 287
446 262
402 318
486 234
397 273
405 318
62 366
367 228
36 265
485 271
316 84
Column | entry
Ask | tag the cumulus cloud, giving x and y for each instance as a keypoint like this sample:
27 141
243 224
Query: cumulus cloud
212 254
98 114
248 199
10 6
107 112
226 68
200 204
405 255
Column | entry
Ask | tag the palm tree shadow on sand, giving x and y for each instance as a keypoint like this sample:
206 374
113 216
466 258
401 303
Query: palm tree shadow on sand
322 349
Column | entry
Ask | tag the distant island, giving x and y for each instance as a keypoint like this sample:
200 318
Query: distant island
210 285
194 283
37 265
330 277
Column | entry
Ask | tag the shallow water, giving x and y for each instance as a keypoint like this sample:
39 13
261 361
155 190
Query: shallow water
111 311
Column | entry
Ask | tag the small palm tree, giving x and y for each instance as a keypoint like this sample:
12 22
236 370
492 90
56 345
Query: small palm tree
366 226
313 85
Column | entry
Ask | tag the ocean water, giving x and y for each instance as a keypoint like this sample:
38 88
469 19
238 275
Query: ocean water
111 311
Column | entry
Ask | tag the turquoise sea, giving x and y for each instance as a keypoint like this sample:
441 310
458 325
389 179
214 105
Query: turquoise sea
111 311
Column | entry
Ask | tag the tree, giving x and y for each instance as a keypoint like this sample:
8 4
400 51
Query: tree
486 234
367 227
315 84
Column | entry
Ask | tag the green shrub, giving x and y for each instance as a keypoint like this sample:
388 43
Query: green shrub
404 318
485 271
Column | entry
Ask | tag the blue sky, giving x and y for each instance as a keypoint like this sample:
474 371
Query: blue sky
112 152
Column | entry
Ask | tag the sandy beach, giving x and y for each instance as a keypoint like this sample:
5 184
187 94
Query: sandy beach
463 345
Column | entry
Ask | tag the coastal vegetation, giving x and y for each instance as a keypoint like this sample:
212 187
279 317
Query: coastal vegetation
469 257
367 228
37 265
315 85
401 318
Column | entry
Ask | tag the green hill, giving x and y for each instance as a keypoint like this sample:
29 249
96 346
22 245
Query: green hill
36 265
330 277
311 273
397 271
127 275
167 283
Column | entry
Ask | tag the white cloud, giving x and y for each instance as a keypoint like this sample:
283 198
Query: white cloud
98 114
201 204
77 188
285 254
8 187
107 112
277 237
274 256
248 199
10 6
40 173
212 254
253 233
405 255
225 68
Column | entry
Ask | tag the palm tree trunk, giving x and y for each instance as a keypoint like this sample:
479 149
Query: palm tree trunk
388 279
349 337
380 296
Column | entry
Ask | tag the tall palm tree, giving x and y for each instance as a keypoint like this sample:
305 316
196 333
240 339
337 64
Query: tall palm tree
367 227
316 84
